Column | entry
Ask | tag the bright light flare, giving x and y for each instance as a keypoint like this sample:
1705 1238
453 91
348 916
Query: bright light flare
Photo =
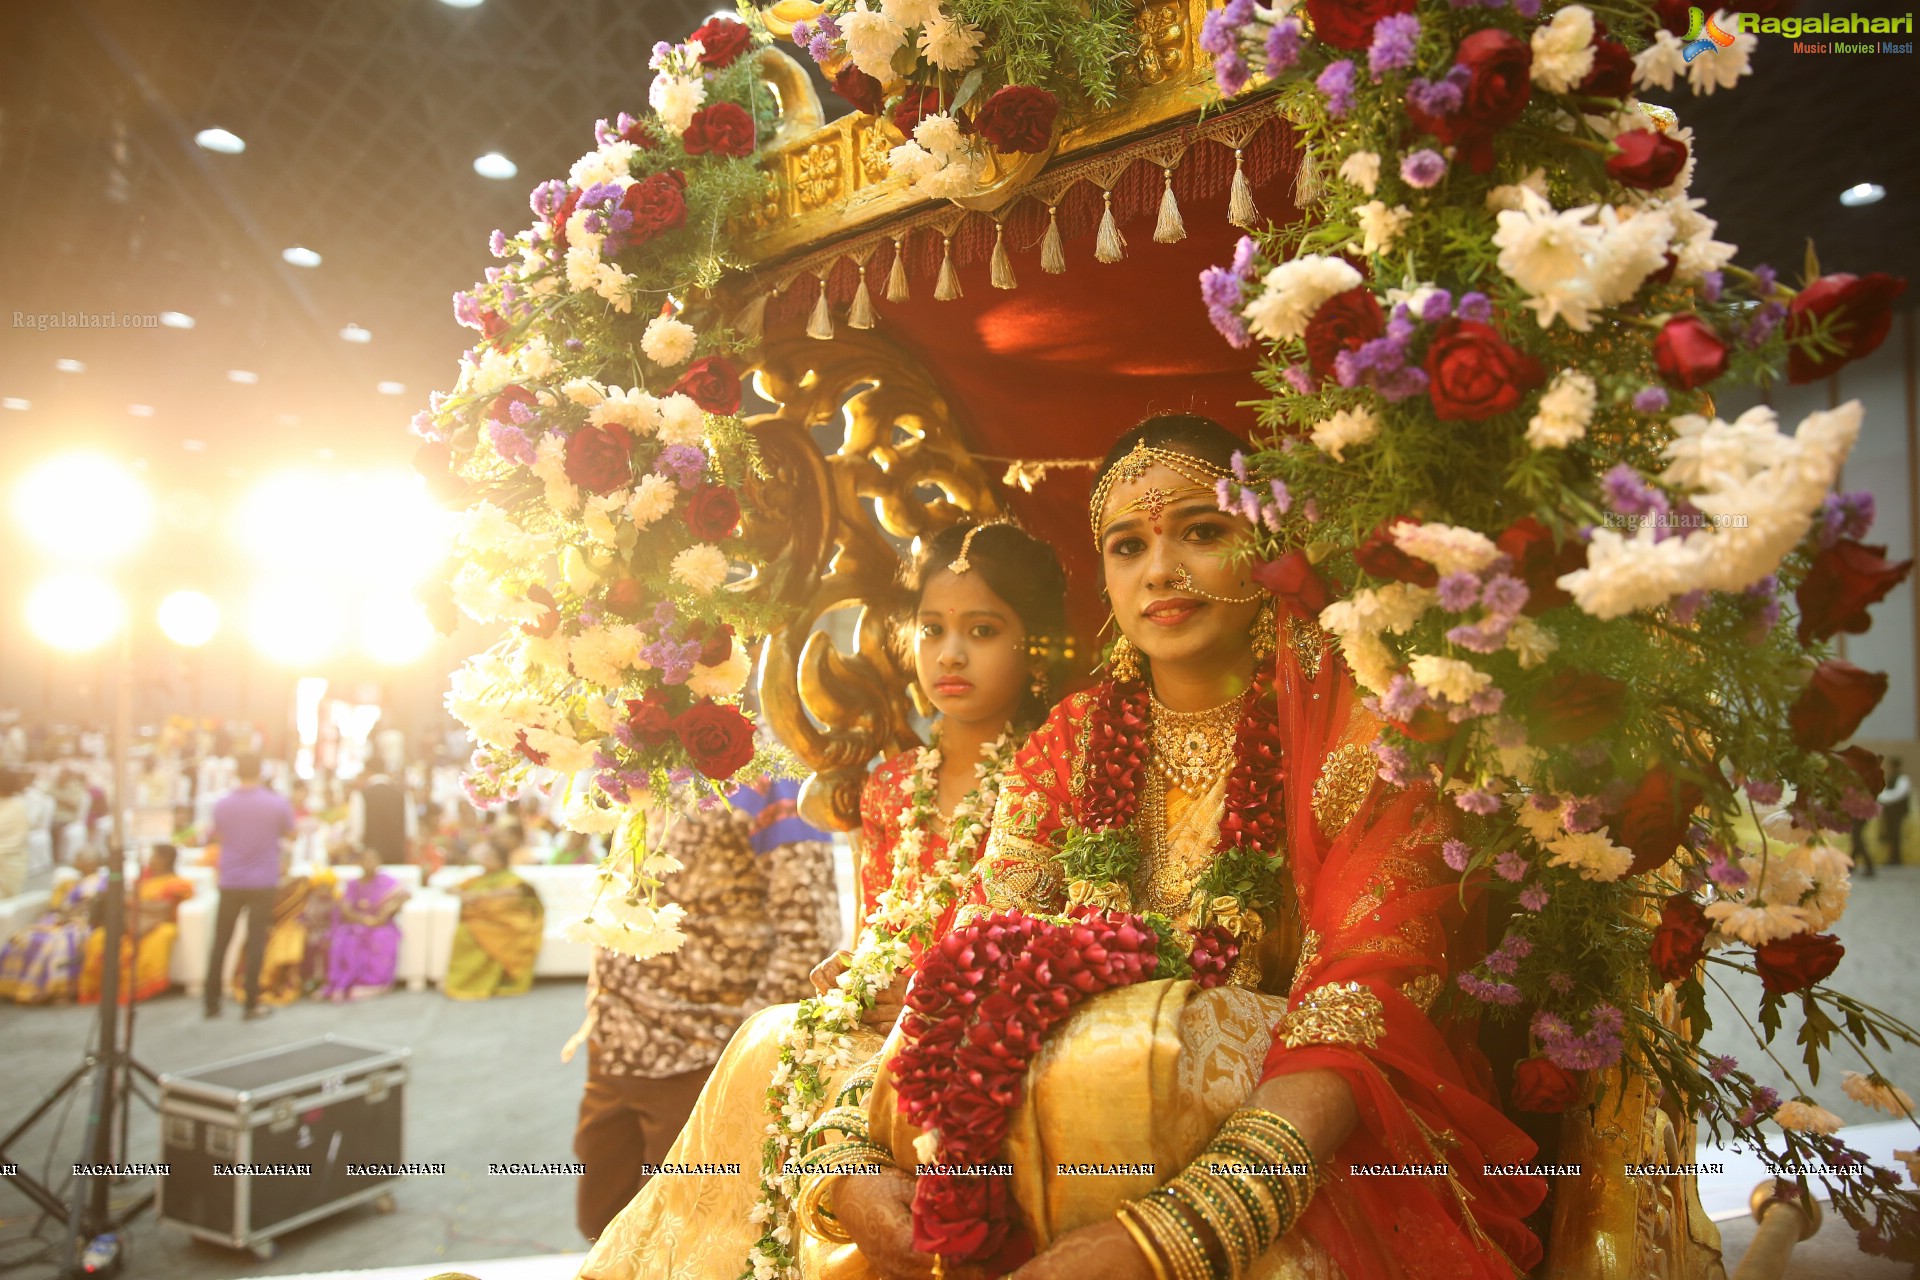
295 626
189 618
84 508
75 612
364 531
394 630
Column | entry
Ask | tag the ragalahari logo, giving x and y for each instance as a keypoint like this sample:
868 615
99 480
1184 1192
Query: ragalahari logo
1704 35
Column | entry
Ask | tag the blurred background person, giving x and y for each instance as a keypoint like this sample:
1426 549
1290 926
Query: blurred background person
41 964
363 947
250 823
502 925
152 925
380 816
16 822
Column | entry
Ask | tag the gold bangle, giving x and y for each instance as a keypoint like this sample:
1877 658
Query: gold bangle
1144 1241
809 1207
1165 1221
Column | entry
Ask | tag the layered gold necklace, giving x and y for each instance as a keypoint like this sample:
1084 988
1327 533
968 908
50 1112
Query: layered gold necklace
1191 750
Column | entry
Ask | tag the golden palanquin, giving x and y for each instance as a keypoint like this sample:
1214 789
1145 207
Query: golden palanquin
893 418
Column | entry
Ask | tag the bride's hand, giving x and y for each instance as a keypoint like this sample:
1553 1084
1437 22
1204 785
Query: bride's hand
877 1211
887 1006
1103 1251
828 971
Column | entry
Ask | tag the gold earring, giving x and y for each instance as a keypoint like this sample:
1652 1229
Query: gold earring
1123 662
1266 630
1038 685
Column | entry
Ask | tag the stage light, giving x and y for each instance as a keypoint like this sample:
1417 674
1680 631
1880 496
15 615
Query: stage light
394 630
140 410
83 508
189 618
176 320
65 365
391 388
194 446
16 403
378 529
1863 193
245 377
495 165
220 140
461 4
354 333
300 256
294 625
75 612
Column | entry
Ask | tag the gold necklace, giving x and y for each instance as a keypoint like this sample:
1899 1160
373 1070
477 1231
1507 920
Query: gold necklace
1192 749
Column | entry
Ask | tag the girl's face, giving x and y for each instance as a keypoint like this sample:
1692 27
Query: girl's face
970 650
1152 529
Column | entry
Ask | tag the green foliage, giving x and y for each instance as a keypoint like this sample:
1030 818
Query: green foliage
1077 50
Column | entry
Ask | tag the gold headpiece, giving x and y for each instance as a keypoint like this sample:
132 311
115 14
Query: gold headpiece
1137 463
962 564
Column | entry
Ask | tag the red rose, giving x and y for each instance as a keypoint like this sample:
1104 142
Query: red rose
1345 322
721 130
625 599
650 720
1473 374
1428 726
1380 556
1501 67
501 410
862 90
721 41
1796 963
599 459
1840 583
1301 592
492 324
1612 74
560 216
550 613
713 383
1539 1085
1834 703
658 203
1688 352
1647 159
1854 312
1018 118
917 102
712 512
1680 939
1574 706
719 738
1348 24
1538 563
1654 819
716 645
959 1216
1873 774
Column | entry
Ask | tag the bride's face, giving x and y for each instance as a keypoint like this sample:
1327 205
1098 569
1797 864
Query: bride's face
969 649
1143 547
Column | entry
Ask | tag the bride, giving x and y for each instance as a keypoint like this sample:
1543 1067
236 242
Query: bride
1324 1112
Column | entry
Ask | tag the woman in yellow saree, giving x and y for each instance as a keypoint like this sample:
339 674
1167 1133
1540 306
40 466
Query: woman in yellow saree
146 952
284 968
499 934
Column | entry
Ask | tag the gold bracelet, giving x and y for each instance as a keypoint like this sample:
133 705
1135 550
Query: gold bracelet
809 1207
1235 1241
1169 1230
1142 1239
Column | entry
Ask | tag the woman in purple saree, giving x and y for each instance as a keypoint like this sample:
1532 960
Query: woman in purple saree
364 945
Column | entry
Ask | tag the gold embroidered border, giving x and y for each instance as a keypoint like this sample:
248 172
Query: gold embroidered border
1422 991
1308 642
1342 786
1338 1013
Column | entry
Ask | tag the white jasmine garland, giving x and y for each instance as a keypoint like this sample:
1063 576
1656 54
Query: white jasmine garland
1293 291
1566 410
1563 49
1347 427
668 341
701 567
1362 169
1380 226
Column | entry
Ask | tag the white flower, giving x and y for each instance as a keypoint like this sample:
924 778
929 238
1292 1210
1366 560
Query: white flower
913 162
926 1147
630 928
1806 1117
550 465
1656 65
631 409
583 391
1362 169
1381 226
1293 291
1448 548
1545 251
1592 853
1633 245
1566 409
702 567
1722 68
1514 195
1447 679
675 99
1531 641
652 498
596 517
605 655
940 134
872 40
611 164
948 43
1755 925
1871 1091
1542 824
1911 1159
563 752
682 420
724 679
1371 661
960 176
1563 49
668 341
910 13
615 285
1347 427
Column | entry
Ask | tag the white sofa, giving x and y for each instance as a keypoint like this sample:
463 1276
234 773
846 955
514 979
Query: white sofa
21 910
565 893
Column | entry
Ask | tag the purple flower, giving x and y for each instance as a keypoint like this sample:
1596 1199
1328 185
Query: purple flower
1764 793
1237 464
1300 378
1504 594
1846 515
1503 993
1282 497
466 311
1424 168
1459 591
1527 8
1402 699
511 443
1246 257
1476 307
1858 804
1283 46
801 34
1220 291
1765 280
1581 815
520 413
1510 865
684 462
1534 897
1478 800
1489 636
1509 734
1722 1067
1396 765
1726 874
1439 97
1487 702
1437 307
1628 493
1560 983
1394 37
547 198
820 48
1455 854
1336 83
1231 72
1502 963
1764 321
1686 608
1711 284
1650 399
1220 32
497 243
1223 494
425 427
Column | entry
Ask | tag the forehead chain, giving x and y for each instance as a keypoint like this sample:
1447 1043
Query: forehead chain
1141 459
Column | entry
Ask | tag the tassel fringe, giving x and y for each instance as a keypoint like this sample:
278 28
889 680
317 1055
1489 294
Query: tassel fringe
820 323
751 323
897 277
947 287
1109 245
1053 257
1171 229
860 314
1002 261
1241 211
1306 183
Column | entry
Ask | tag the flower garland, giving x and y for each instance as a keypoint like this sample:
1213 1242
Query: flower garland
819 1039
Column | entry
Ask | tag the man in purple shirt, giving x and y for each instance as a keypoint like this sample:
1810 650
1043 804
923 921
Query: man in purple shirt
249 823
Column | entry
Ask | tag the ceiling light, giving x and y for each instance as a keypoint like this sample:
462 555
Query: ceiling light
495 165
75 612
176 320
16 403
354 333
246 377
140 410
194 446
70 366
392 388
227 144
189 618
301 256
85 508
1862 193
461 4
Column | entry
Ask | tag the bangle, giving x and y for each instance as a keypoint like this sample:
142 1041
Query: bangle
1144 1241
810 1208
849 1120
1186 1256
1235 1237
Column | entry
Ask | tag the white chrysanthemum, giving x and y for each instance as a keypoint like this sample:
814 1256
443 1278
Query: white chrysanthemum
1655 66
615 285
1805 1117
583 391
1345 428
1514 195
724 679
479 595
675 99
682 420
872 39
1293 291
534 359
1592 854
1380 226
1871 1091
1695 249
1543 825
604 655
550 465
668 341
1371 661
1633 245
610 164
602 715
597 517
629 408
1831 870
913 162
1532 642
484 529
1566 410
1362 169
652 498
583 262
940 134
1447 679
948 43
1563 49
1723 68
910 13
1546 252
1755 925
702 567
1447 547
959 176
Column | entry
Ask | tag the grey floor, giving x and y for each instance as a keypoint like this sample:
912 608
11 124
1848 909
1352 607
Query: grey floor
488 1085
